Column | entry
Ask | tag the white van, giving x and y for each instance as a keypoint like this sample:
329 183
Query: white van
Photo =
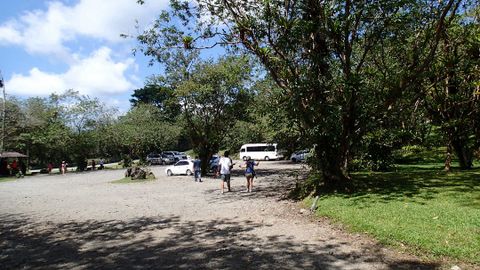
265 151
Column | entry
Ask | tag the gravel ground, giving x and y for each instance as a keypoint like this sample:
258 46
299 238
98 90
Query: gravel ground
83 221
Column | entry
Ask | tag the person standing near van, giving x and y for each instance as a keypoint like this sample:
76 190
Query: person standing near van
226 166
249 166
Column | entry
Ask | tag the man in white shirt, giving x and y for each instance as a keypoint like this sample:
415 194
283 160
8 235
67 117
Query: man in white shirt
226 166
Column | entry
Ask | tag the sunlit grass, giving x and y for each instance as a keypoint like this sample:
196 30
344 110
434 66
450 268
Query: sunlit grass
429 211
8 179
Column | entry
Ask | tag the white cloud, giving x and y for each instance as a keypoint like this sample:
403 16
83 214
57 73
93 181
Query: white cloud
96 75
46 32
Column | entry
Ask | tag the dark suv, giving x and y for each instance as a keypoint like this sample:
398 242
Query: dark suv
160 159
154 159
176 155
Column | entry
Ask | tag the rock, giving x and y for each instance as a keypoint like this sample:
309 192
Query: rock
455 267
257 249
303 211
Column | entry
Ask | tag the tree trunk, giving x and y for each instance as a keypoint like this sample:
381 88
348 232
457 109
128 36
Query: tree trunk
334 178
448 159
464 154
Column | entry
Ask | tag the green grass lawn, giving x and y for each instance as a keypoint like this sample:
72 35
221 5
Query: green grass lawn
427 210
8 179
128 180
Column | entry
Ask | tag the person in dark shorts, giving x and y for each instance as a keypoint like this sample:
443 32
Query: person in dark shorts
249 166
197 168
225 164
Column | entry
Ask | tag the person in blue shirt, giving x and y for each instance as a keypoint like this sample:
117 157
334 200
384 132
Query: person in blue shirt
249 166
197 167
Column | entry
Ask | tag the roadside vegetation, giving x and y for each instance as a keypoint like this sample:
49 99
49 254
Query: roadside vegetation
8 179
418 208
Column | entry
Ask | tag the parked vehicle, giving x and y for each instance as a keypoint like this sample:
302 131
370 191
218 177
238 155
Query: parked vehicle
213 163
176 155
154 159
161 159
299 156
265 151
181 167
167 159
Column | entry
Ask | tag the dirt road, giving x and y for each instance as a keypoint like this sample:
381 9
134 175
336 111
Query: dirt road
82 221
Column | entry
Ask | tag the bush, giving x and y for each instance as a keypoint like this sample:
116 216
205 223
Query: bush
377 151
126 161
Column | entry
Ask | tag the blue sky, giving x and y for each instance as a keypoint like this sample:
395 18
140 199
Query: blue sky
51 46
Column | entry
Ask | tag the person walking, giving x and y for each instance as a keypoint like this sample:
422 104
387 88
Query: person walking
93 164
249 166
226 166
197 168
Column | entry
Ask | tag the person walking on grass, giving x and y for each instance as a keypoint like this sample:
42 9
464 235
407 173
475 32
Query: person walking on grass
226 166
249 166
197 168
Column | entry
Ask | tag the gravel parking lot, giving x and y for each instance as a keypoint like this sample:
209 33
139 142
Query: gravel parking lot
83 221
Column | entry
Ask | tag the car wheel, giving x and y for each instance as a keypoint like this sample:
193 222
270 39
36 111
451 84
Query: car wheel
189 172
294 160
244 158
169 173
267 158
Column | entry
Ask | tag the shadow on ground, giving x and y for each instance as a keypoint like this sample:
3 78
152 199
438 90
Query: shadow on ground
276 184
418 186
166 243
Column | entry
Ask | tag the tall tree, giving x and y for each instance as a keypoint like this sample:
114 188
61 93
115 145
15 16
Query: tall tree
141 131
213 98
83 115
45 137
451 90
315 51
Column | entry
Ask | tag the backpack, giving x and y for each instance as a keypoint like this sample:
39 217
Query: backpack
250 167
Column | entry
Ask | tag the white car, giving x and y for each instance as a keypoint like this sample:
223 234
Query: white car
181 167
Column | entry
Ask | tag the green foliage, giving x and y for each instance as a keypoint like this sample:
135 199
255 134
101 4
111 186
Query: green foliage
140 132
322 56
378 155
412 154
160 96
451 86
213 98
60 127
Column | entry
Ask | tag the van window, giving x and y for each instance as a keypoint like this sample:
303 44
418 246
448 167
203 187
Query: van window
264 148
242 150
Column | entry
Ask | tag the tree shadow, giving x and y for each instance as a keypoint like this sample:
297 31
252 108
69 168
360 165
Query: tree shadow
418 186
275 184
168 243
